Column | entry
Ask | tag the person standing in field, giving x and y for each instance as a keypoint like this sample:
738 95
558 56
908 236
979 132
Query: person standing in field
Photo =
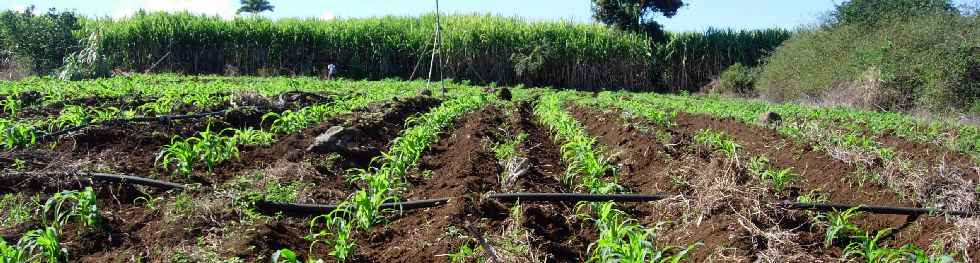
331 70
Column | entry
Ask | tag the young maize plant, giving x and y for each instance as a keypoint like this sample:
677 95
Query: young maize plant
621 239
717 140
620 100
761 167
363 207
250 137
208 147
829 124
43 245
11 105
15 134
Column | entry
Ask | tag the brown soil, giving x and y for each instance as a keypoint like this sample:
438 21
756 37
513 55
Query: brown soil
648 165
564 238
650 160
134 232
461 164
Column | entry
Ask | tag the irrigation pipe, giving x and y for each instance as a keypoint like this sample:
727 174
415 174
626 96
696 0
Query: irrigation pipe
118 178
313 209
577 197
164 118
574 197
318 209
873 209
483 242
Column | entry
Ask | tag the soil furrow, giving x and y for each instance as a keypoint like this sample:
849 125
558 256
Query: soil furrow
655 160
564 238
461 164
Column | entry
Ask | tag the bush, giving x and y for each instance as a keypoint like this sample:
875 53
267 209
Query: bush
40 41
930 62
873 12
737 79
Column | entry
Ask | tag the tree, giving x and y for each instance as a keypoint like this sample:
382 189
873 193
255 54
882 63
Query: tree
41 40
635 15
255 6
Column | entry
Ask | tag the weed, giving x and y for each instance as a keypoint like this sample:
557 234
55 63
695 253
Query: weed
463 253
288 256
19 164
14 210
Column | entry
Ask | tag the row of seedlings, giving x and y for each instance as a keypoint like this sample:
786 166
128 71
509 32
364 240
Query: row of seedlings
212 148
621 238
843 135
856 242
382 183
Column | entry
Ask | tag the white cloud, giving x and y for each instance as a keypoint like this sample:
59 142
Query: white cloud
223 8
328 15
18 8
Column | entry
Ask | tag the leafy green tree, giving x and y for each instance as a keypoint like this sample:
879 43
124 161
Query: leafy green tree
39 40
255 6
873 12
635 15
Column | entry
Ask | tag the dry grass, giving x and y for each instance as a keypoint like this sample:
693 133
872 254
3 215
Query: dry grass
11 70
963 237
514 242
946 188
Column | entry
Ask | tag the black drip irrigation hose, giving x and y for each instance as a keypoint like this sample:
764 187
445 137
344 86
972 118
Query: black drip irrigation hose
873 209
316 209
164 118
118 178
574 197
311 209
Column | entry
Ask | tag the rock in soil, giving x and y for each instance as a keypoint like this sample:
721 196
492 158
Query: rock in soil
770 118
339 139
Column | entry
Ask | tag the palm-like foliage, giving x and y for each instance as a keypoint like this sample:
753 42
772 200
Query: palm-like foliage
255 6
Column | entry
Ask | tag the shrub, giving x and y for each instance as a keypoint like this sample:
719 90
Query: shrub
928 62
737 79
871 12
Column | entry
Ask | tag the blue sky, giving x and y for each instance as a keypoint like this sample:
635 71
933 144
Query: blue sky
697 15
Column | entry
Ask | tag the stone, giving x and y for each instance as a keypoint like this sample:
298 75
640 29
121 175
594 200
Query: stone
335 139
770 118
